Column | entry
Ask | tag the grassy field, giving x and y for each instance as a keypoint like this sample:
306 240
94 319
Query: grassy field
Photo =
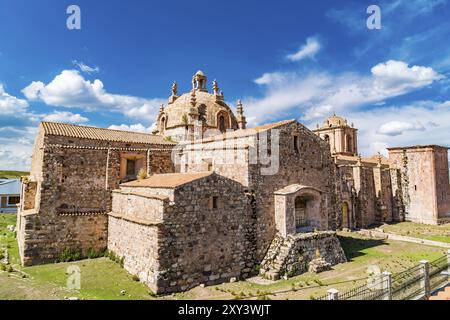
12 174
436 233
104 279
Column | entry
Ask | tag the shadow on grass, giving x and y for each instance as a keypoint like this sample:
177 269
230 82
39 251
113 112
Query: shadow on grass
353 247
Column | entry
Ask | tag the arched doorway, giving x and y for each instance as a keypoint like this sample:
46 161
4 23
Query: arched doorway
305 213
345 215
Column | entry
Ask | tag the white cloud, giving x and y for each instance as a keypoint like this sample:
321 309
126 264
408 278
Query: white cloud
418 123
308 50
270 78
69 89
85 68
10 105
399 76
66 117
395 128
134 128
316 93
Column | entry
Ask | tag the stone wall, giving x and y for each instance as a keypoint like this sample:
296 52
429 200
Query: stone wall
43 238
311 166
292 255
194 243
73 179
425 185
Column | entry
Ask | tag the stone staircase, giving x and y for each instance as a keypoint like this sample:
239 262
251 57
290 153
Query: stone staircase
292 255
276 256
443 294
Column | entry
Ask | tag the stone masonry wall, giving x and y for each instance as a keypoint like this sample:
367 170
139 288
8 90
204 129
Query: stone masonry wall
199 244
311 165
75 178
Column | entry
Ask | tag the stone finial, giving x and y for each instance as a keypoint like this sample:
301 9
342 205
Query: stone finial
161 108
379 158
353 125
215 87
239 107
317 126
174 88
242 122
359 160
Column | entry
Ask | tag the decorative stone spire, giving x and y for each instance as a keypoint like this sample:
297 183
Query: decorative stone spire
161 108
174 89
242 122
215 87
379 159
359 160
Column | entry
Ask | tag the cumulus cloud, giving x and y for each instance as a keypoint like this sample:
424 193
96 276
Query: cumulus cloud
69 89
395 128
134 128
11 105
315 94
85 68
416 123
66 117
308 50
270 78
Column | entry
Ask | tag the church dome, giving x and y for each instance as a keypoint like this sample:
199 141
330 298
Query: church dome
208 106
195 108
335 121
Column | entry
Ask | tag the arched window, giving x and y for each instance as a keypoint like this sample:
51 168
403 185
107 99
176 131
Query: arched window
349 143
222 126
163 124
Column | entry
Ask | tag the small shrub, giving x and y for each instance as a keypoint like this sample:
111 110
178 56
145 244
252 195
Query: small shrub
142 174
2 267
93 254
69 255
9 268
320 283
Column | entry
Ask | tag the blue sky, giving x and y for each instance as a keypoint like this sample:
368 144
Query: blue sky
284 59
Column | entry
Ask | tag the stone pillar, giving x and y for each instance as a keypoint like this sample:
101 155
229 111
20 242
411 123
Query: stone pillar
333 294
387 285
425 281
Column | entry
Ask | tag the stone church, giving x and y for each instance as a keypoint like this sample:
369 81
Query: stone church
216 201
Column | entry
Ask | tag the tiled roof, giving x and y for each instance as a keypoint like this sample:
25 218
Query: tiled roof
246 132
169 180
85 132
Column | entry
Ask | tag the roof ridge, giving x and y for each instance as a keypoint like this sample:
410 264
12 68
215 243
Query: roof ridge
94 127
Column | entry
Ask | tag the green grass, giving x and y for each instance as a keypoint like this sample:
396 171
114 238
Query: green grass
12 174
430 232
100 278
103 279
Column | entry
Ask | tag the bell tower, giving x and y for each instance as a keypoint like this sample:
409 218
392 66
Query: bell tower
341 137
